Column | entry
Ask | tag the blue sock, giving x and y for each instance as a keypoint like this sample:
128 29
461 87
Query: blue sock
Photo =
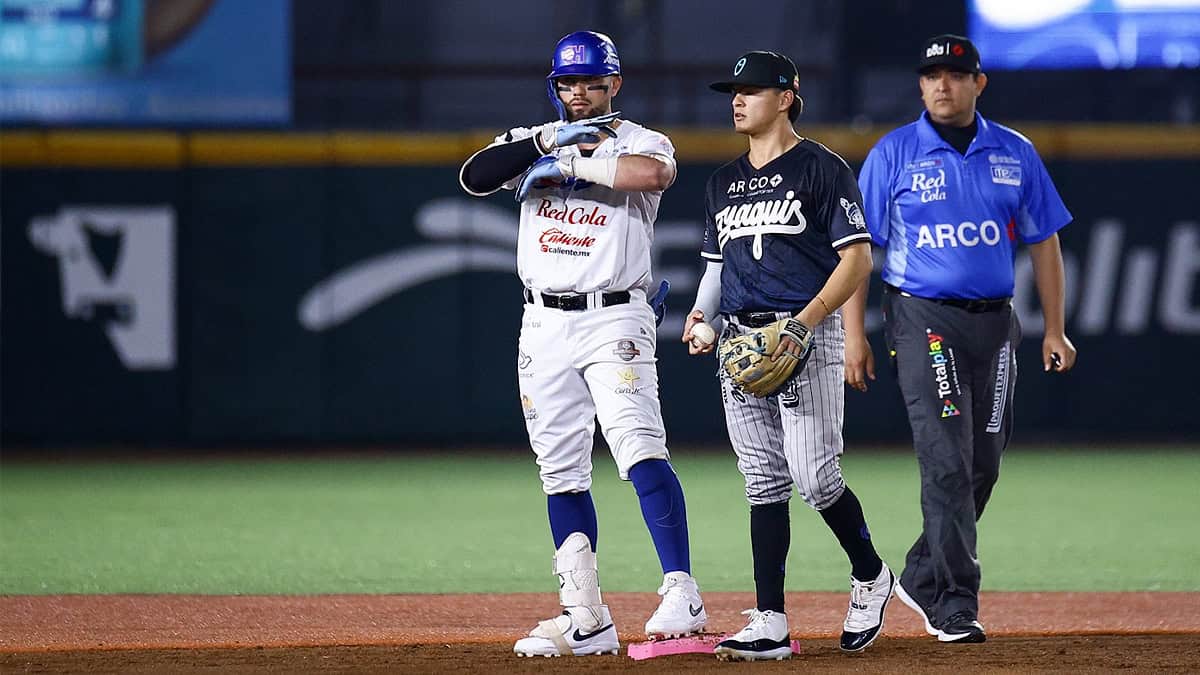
663 508
571 512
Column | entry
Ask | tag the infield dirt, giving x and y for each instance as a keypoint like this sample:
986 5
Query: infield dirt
1145 632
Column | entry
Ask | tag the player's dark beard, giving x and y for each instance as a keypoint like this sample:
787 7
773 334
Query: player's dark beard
584 114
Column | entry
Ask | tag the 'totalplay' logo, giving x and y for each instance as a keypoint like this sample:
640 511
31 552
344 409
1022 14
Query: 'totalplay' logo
942 364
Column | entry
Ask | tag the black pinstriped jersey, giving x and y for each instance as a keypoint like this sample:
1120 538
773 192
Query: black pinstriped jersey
777 229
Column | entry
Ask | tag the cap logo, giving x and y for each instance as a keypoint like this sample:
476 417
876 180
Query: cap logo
737 68
935 50
957 50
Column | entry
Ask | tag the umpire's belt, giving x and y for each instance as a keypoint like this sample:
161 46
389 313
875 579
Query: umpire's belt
760 319
572 302
975 306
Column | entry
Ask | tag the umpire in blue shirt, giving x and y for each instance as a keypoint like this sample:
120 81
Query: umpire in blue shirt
950 197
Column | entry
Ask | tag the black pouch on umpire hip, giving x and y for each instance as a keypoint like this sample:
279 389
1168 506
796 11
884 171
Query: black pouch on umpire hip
889 338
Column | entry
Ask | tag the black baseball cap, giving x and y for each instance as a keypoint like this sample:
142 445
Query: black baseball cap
761 69
954 51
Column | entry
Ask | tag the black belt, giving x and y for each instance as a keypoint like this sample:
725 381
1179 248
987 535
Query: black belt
760 319
973 305
574 303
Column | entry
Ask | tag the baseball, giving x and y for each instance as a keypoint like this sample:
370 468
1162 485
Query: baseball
703 335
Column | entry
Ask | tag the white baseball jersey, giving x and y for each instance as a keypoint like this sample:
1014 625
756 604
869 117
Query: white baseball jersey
580 237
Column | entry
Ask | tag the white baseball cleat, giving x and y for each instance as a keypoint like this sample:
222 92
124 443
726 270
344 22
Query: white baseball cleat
681 611
765 637
578 631
864 619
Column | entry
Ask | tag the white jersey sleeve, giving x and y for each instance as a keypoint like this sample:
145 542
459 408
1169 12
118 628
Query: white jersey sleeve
654 144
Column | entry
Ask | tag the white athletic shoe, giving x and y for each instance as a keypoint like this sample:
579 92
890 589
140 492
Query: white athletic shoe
864 619
681 611
578 631
916 607
765 637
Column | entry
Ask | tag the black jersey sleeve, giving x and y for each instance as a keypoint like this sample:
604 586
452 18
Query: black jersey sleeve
842 205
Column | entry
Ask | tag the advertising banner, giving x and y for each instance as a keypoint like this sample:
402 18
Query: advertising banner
1091 34
145 62
380 305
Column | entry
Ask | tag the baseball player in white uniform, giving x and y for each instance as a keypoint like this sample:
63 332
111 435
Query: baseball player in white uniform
589 186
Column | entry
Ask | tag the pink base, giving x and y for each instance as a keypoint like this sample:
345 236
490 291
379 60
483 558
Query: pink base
696 644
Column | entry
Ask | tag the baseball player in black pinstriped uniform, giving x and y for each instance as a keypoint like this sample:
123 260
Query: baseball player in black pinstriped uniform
784 236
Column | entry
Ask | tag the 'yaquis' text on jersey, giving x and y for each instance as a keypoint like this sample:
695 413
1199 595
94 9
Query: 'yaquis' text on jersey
777 228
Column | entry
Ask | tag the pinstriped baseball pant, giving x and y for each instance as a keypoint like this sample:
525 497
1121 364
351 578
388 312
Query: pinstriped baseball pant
794 437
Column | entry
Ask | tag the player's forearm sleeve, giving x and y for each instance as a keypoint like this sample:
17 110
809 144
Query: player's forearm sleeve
708 295
489 169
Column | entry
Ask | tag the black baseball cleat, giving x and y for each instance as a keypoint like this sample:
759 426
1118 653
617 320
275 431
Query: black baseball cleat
864 619
962 627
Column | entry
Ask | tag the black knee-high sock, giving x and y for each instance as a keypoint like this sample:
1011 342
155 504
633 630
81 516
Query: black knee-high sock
845 518
770 536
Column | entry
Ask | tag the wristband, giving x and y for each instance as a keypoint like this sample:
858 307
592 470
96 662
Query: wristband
598 170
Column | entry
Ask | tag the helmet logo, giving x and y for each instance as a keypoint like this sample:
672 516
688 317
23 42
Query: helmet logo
737 68
573 54
610 55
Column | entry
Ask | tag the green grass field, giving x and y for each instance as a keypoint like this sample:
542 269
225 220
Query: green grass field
461 523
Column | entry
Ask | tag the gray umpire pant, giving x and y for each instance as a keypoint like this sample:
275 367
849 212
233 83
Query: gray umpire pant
957 372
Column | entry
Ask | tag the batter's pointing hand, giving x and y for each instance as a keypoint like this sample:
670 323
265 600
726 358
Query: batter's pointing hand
591 130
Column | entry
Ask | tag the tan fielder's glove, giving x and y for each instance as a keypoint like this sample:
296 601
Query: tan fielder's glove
747 358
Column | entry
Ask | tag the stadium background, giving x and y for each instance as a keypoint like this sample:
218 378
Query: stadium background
254 339
321 278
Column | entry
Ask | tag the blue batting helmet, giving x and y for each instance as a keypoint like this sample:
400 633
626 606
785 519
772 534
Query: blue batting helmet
583 52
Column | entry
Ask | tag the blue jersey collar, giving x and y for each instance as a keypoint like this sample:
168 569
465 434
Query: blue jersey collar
928 139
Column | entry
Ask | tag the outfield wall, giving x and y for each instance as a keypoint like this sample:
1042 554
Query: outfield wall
213 289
